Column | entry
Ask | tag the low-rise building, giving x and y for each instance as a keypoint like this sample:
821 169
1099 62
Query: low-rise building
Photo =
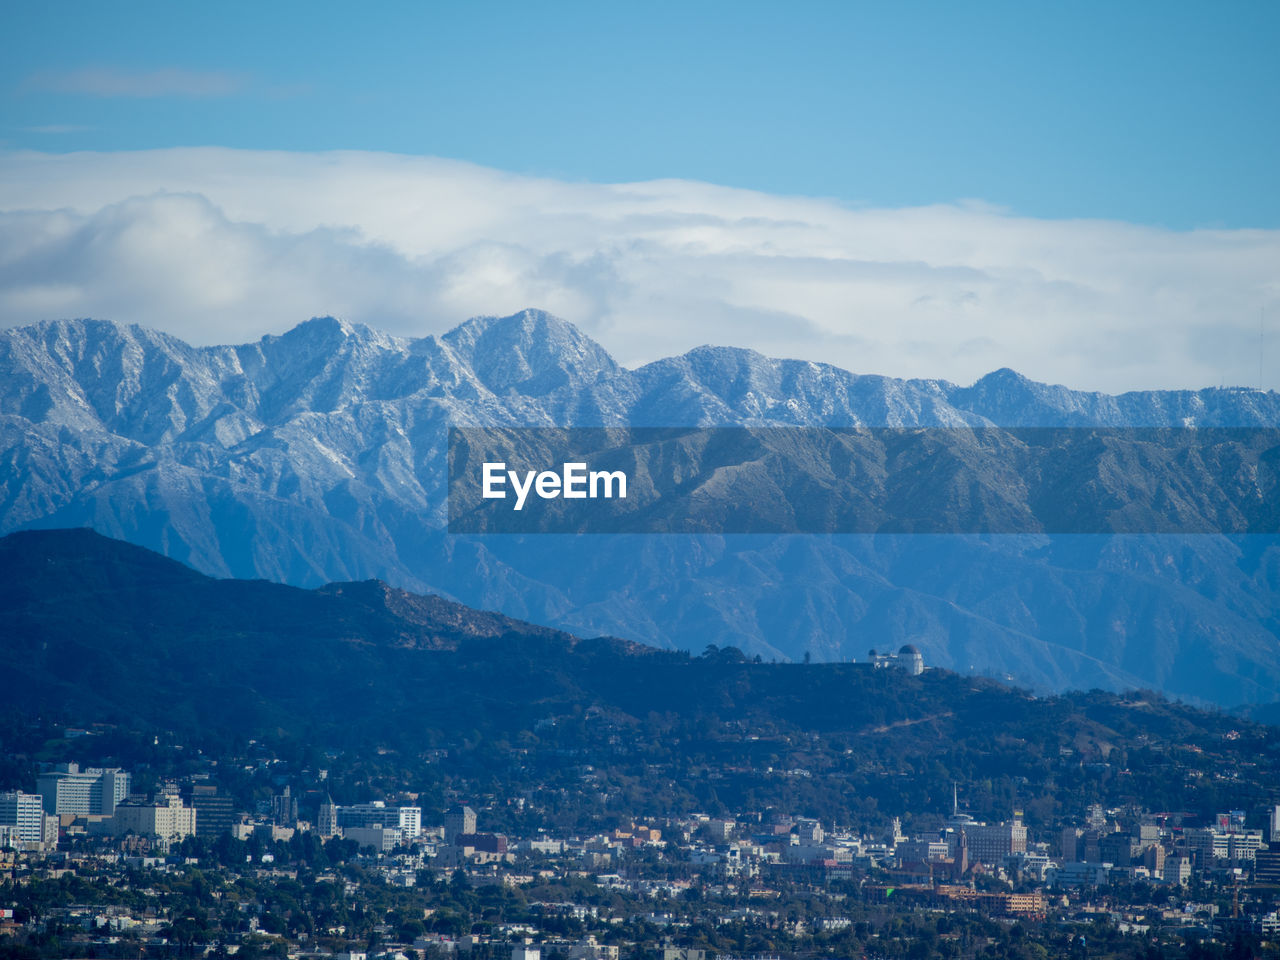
589 949
382 839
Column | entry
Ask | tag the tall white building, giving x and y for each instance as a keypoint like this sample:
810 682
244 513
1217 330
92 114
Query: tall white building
410 822
95 790
24 812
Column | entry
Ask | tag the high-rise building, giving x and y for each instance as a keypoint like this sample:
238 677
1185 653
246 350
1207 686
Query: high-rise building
1097 818
458 821
1117 848
410 822
1069 845
1177 869
25 812
1153 858
1274 834
327 819
215 812
284 808
92 791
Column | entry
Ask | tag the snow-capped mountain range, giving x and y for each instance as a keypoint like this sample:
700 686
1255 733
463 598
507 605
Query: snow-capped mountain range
319 455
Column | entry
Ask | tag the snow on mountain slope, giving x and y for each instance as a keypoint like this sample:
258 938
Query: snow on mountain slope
319 455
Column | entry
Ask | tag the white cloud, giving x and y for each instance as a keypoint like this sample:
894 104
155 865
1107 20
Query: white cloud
220 245
115 82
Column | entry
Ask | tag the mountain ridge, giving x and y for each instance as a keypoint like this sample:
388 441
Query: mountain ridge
317 456
88 623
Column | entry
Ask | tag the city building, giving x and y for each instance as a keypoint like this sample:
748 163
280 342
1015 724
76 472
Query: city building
1235 844
1266 866
1096 819
495 843
1069 844
284 808
459 820
1177 870
1079 874
215 812
720 829
1035 866
93 791
922 849
327 818
168 818
383 839
408 820
1118 848
809 831
983 842
24 812
590 949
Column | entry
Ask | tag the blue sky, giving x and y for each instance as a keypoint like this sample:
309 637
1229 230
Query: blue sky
1151 113
1087 192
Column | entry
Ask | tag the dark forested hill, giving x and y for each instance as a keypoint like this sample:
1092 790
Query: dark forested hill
93 629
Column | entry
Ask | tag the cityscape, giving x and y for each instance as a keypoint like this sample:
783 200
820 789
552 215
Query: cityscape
108 862
733 480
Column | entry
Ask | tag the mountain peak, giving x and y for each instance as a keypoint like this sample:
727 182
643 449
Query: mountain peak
322 326
1003 375
332 330
531 353
1007 397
